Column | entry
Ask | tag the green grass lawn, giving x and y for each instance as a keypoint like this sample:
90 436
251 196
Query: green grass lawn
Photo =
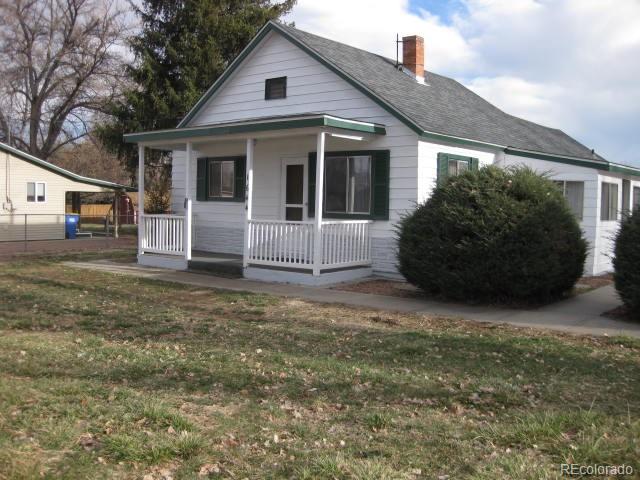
104 376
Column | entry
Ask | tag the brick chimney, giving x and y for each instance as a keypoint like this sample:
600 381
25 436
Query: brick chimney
413 55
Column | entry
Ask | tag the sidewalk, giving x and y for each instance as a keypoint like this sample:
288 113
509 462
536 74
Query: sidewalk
580 314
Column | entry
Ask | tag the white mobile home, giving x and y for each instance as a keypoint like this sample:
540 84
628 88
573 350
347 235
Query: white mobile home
33 194
305 153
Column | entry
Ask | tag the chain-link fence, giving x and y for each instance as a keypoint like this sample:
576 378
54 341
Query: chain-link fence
29 227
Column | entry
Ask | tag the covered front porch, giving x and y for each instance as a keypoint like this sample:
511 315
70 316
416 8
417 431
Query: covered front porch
266 179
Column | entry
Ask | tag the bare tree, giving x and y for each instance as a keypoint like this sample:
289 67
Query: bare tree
90 158
61 62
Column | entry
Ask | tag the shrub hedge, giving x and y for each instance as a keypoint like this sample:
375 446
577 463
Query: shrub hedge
626 263
493 235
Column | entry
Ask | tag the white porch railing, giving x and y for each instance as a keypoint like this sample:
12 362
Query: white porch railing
283 243
163 234
290 244
346 243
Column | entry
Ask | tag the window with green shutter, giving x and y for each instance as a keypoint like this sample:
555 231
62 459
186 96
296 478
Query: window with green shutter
356 185
221 179
450 165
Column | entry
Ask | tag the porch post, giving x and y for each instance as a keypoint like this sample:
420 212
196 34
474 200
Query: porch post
317 231
141 243
249 201
116 215
187 201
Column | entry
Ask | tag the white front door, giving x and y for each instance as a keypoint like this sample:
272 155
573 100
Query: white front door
294 189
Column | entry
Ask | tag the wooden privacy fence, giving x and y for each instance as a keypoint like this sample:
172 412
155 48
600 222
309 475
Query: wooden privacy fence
96 213
92 209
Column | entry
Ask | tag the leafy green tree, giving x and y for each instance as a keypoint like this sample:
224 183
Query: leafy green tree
182 48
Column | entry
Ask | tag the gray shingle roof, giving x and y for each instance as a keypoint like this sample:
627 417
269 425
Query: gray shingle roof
442 105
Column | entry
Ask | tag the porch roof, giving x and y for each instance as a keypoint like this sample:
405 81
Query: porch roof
257 125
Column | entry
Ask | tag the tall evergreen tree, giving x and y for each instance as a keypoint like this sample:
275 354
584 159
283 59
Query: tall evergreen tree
182 48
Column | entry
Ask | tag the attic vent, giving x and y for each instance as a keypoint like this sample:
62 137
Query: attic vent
275 88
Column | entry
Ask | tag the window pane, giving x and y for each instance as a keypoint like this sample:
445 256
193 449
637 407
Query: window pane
31 192
336 184
613 201
636 198
214 179
456 167
453 167
609 202
359 184
574 193
228 179
40 192
604 202
222 179
626 196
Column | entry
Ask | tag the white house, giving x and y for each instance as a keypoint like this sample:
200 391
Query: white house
34 192
303 155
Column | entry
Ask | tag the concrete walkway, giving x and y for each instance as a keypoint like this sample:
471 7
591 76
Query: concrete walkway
580 314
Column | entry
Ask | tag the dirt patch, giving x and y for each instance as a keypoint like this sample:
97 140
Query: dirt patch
586 284
621 313
392 288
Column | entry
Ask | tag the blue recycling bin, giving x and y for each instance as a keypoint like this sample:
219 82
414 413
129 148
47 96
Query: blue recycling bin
71 225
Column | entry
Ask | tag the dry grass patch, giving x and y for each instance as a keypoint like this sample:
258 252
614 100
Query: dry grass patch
106 376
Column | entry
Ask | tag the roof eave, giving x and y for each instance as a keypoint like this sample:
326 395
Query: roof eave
255 126
63 172
601 165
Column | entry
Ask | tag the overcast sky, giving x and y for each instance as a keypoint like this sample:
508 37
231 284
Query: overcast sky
569 64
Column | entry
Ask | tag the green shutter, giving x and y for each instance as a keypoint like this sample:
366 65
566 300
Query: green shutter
380 191
443 167
201 182
311 187
240 171
473 164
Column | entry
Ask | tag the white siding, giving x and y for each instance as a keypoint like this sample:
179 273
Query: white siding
311 87
607 230
45 220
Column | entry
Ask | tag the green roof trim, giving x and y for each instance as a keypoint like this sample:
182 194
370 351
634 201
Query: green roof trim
580 162
61 171
441 137
263 125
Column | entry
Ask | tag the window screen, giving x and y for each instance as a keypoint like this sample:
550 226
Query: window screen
636 198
